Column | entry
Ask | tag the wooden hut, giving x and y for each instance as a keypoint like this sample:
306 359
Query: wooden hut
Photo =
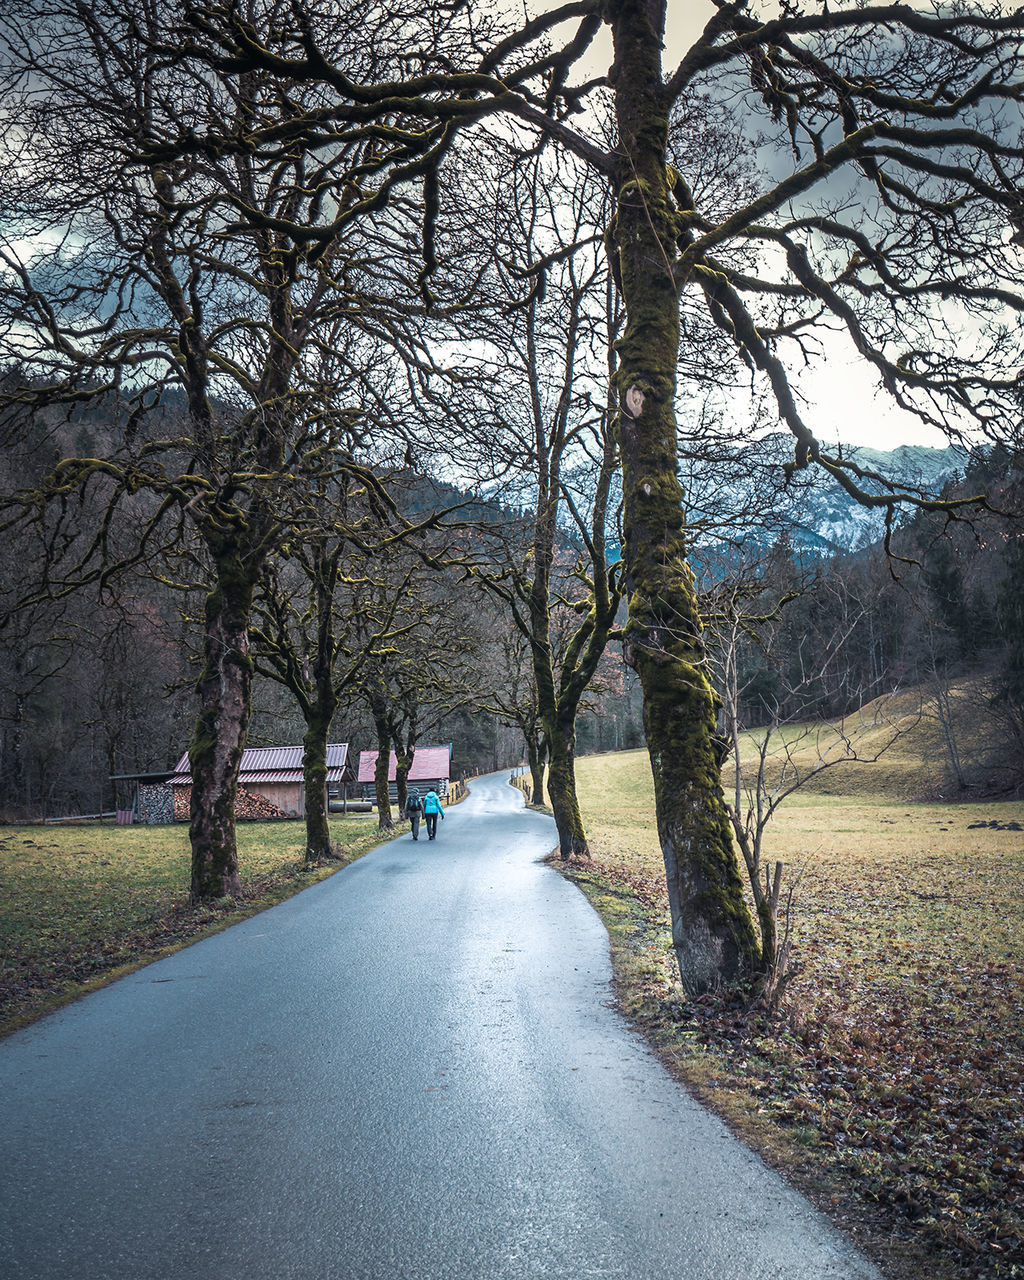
144 797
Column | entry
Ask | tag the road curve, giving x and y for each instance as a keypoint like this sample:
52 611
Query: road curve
409 1071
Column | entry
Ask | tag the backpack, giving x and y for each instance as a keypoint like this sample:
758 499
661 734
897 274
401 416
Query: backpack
414 804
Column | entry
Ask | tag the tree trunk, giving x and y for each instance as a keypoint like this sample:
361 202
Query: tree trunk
381 769
404 755
572 837
219 737
319 846
535 756
712 932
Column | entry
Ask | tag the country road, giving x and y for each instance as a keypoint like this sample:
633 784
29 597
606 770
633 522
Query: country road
410 1071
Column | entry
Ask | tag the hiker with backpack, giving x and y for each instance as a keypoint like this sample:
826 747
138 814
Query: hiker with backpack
413 811
431 808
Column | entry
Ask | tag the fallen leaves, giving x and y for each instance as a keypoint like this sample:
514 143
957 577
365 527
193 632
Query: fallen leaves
897 1063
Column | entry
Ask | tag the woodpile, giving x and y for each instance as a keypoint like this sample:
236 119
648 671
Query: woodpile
249 806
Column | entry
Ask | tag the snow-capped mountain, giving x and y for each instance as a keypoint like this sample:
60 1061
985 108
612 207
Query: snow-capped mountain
827 519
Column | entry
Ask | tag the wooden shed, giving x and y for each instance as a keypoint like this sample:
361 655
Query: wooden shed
430 771
270 783
144 797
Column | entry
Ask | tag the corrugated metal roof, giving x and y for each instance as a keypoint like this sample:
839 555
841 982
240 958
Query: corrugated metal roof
428 763
275 764
289 775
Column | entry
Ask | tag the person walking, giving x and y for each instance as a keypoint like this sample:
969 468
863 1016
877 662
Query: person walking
413 811
431 808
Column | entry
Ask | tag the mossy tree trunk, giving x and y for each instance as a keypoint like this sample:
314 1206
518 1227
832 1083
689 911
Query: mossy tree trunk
378 709
215 755
572 836
558 707
557 718
319 706
712 932
559 704
402 765
535 752
319 846
382 788
404 738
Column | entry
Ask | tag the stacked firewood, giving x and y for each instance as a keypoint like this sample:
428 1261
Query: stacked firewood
249 806
182 800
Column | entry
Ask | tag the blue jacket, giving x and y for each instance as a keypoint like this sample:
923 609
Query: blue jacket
432 804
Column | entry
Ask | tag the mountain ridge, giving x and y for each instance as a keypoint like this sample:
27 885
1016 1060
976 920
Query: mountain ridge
827 520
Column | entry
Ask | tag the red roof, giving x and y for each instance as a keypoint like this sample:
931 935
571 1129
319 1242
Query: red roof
429 764
275 764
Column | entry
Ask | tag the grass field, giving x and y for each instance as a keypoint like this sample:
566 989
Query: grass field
81 903
892 1081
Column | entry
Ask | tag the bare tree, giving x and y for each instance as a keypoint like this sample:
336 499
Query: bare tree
781 751
169 290
546 321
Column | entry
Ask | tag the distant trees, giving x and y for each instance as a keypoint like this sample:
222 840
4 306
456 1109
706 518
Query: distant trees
1007 692
89 690
965 641
939 618
94 684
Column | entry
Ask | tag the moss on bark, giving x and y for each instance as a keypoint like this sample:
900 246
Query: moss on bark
572 836
215 755
712 932
536 762
319 846
378 709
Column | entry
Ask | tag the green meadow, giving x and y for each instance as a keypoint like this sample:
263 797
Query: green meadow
81 903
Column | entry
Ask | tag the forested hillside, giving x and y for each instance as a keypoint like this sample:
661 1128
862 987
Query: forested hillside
818 631
99 680
99 683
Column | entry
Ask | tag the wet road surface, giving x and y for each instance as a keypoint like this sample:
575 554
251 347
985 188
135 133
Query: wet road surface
407 1072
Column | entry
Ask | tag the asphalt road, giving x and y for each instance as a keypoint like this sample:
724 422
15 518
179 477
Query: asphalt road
410 1071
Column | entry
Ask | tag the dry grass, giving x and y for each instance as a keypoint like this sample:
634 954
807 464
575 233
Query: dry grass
892 1081
80 904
